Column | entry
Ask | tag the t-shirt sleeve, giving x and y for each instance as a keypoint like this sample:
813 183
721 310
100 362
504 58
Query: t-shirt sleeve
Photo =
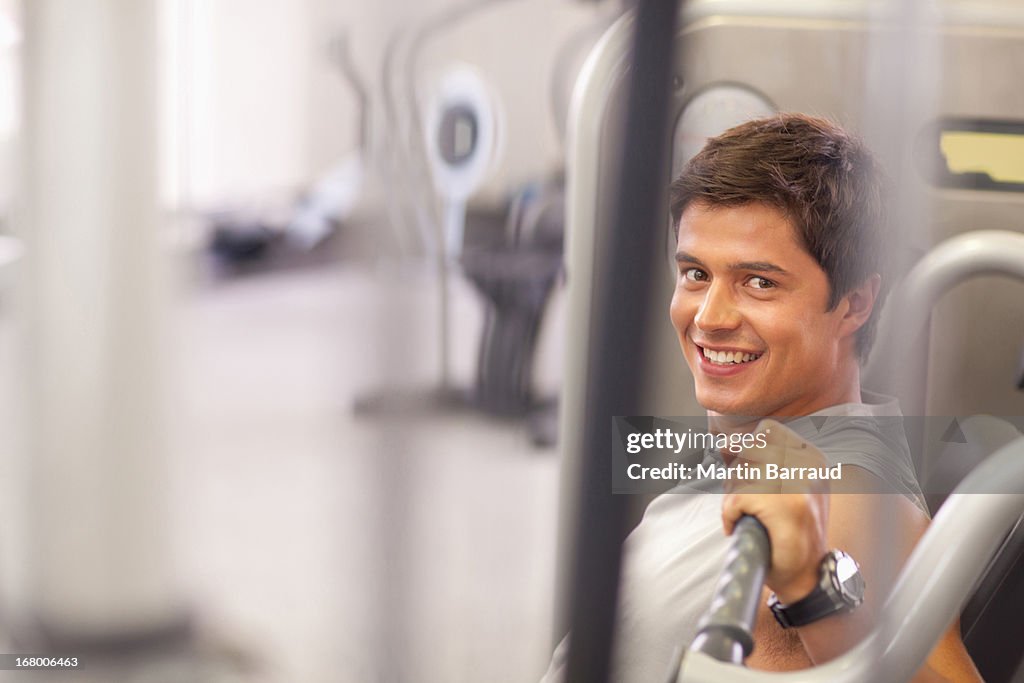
878 449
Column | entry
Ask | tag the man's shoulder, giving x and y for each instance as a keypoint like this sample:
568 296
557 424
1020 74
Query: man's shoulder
872 404
869 439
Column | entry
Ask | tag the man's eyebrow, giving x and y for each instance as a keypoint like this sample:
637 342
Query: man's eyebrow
685 257
758 266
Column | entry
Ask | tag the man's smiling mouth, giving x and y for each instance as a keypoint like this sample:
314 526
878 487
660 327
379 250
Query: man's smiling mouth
727 357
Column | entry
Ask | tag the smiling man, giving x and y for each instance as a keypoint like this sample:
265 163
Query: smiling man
780 231
754 315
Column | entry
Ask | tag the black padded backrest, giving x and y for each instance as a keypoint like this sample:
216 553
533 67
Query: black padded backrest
992 621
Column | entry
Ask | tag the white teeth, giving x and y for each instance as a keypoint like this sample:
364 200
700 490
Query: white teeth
727 357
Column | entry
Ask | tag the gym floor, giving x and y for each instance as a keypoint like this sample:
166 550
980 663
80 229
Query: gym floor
317 545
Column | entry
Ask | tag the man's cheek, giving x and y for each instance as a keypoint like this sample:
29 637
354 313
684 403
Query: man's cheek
679 312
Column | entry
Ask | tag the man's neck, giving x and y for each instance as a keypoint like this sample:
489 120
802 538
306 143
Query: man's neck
846 390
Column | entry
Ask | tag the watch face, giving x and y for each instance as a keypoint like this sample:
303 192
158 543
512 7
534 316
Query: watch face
847 578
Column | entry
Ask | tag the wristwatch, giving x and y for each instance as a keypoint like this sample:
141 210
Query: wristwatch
840 589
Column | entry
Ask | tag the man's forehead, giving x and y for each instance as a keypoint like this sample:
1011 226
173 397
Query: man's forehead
743 229
754 212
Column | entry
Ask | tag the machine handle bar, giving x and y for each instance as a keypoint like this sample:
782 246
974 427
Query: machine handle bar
726 630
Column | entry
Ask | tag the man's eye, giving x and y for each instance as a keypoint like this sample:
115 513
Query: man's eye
758 282
695 275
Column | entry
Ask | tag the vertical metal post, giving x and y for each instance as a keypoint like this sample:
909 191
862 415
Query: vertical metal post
621 311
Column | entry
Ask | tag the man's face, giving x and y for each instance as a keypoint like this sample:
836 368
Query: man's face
749 308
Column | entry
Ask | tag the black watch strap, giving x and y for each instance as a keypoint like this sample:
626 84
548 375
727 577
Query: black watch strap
817 605
840 588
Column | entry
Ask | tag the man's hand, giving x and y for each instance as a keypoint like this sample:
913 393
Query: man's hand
795 512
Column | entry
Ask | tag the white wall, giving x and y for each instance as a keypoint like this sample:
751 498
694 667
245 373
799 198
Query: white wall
256 106
238 91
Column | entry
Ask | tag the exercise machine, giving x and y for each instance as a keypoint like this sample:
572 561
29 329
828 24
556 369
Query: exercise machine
439 150
900 75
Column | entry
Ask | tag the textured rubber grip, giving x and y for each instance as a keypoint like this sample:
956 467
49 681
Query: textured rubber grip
726 630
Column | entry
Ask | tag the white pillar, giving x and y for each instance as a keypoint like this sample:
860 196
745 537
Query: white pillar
99 542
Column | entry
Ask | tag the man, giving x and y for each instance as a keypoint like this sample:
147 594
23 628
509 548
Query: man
779 238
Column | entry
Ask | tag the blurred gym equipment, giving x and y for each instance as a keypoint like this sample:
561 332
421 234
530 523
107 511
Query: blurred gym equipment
515 271
246 238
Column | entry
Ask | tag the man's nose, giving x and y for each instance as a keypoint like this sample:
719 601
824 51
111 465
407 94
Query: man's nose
718 311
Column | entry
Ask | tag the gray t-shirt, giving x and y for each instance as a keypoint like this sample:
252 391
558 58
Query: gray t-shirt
672 560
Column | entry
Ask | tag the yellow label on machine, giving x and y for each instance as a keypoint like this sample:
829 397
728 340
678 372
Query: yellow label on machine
998 155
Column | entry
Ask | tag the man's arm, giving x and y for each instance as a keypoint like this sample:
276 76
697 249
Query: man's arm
878 530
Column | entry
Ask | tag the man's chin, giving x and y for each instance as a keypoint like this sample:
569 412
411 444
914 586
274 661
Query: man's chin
715 402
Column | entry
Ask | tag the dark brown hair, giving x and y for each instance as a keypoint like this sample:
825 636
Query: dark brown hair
824 179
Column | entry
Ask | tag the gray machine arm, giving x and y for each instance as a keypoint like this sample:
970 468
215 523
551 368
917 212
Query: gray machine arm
956 260
929 593
899 362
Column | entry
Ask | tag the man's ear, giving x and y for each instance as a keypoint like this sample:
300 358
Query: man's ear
860 301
